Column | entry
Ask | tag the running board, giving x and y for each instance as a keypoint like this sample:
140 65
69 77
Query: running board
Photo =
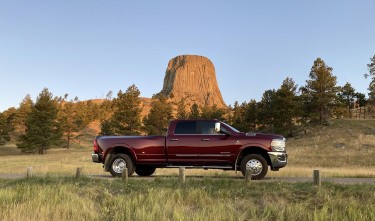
202 167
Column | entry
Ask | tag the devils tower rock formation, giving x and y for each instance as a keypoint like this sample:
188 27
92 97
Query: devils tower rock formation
193 78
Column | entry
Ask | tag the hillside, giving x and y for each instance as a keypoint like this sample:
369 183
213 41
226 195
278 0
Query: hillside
347 147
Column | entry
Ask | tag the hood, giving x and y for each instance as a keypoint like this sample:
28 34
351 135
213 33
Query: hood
264 135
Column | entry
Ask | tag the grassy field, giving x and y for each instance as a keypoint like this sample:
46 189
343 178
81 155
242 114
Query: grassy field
64 198
344 149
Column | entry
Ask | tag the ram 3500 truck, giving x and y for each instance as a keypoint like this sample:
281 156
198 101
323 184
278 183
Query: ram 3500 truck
207 144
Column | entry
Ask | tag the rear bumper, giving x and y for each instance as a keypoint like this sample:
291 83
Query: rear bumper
278 160
96 158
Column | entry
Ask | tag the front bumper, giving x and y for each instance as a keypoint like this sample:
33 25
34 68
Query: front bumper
278 160
96 158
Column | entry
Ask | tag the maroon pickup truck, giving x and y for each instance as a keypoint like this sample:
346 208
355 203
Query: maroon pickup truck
207 144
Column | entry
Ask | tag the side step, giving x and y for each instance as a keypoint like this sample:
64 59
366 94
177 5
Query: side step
203 167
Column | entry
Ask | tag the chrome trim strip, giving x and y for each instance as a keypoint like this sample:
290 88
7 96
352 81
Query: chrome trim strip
203 155
218 167
200 134
203 167
186 155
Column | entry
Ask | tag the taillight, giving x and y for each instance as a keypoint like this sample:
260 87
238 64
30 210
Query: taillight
96 147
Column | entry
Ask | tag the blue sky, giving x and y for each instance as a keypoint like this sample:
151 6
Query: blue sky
87 48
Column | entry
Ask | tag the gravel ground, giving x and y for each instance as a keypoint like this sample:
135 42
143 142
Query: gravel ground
267 179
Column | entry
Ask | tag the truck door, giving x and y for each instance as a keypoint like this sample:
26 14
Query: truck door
183 144
215 148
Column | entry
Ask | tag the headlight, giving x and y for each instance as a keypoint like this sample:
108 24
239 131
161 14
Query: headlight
278 145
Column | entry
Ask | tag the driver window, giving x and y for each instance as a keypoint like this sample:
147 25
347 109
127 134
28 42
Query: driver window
208 127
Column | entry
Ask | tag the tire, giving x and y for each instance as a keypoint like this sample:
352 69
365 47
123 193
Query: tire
119 162
257 164
145 170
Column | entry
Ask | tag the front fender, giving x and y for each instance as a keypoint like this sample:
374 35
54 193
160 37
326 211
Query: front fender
249 145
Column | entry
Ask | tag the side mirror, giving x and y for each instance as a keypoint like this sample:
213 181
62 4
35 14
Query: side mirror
219 130
217 127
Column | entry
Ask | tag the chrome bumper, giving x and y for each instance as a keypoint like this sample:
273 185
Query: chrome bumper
278 160
95 158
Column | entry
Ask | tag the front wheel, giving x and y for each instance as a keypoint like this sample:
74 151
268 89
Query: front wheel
145 170
119 163
256 164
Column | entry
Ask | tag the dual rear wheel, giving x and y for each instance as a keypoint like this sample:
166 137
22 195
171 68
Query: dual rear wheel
121 161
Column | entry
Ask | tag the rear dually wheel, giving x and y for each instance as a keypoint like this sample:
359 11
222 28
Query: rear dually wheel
119 163
145 170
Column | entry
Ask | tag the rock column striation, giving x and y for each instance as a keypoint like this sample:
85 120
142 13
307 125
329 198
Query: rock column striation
193 78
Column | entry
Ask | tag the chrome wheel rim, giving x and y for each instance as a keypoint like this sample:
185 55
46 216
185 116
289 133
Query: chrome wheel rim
118 165
255 166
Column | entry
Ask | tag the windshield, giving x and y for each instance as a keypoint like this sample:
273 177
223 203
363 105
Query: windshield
232 128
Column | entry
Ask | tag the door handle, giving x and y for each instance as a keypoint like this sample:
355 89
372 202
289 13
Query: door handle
174 139
204 139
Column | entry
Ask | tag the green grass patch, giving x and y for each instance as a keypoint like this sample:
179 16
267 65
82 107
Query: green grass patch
67 198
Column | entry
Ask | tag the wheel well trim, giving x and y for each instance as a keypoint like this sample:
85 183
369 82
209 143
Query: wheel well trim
113 150
257 147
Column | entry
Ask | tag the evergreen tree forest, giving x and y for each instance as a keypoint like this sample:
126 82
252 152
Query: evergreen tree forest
60 121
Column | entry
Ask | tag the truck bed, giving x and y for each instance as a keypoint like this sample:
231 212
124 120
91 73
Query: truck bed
144 149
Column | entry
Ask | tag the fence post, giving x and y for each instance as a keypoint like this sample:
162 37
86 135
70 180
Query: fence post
364 113
182 174
29 172
248 175
78 172
125 176
317 178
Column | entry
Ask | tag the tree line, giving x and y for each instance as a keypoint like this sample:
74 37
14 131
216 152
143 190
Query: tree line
57 122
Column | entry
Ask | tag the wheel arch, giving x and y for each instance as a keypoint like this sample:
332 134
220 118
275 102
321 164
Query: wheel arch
118 150
252 150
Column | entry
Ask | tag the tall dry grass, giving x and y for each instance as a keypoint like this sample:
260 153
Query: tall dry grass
56 161
59 198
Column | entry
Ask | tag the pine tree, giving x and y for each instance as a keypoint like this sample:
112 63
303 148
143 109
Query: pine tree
21 116
266 111
126 119
181 112
360 99
106 128
286 108
5 129
347 94
71 124
156 122
42 128
194 112
251 115
238 120
106 110
10 116
212 112
371 88
322 89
